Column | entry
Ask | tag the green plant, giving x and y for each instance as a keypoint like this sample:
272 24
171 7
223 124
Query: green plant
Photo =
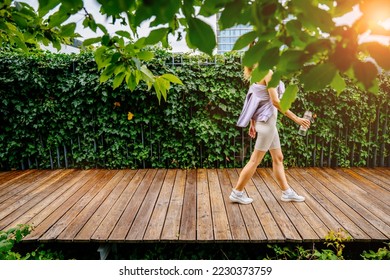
9 238
12 236
334 240
381 254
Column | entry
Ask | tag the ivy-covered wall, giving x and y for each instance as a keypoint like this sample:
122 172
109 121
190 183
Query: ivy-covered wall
55 114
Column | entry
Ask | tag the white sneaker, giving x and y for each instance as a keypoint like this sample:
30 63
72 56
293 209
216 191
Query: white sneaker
292 196
240 197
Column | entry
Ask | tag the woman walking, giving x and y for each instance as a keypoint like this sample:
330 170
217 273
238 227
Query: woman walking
260 109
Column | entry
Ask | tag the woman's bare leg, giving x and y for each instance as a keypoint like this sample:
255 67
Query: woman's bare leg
278 168
249 169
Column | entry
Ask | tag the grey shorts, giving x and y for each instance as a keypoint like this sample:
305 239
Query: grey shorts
267 135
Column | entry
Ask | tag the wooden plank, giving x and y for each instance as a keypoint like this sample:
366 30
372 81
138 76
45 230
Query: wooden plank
40 201
299 223
84 196
289 231
345 209
307 223
104 230
94 222
156 223
12 177
123 226
17 189
355 198
32 190
236 222
251 228
95 186
81 218
38 213
317 216
141 221
330 203
376 177
171 229
193 205
188 217
365 184
221 228
46 218
269 225
204 225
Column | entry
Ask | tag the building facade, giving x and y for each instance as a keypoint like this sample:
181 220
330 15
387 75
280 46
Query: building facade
227 38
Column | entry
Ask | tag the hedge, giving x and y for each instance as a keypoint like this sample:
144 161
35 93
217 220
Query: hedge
54 113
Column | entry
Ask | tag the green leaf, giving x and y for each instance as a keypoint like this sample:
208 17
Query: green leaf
253 54
244 40
124 34
201 35
161 86
231 14
146 74
156 36
292 60
380 53
258 75
366 73
318 77
118 80
289 97
46 5
107 73
269 59
172 78
91 41
338 83
145 55
68 30
131 80
58 18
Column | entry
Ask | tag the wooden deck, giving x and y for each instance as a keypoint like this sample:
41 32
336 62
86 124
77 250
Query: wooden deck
153 205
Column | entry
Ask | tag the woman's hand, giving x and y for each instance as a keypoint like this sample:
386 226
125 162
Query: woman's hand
303 122
252 130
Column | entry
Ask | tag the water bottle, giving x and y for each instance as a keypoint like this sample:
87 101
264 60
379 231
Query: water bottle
303 130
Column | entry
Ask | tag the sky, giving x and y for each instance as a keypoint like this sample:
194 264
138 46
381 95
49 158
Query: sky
93 7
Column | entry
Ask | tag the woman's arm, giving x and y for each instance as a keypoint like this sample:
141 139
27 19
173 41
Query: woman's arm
252 129
276 102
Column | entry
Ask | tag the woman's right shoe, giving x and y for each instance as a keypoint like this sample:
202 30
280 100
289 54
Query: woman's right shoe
240 198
